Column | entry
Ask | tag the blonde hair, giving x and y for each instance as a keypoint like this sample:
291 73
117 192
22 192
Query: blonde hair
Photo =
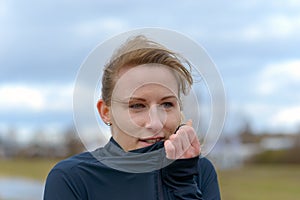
140 50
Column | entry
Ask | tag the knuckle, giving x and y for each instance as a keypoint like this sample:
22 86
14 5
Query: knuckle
172 137
190 154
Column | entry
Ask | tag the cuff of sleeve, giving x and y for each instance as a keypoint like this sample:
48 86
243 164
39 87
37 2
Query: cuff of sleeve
183 167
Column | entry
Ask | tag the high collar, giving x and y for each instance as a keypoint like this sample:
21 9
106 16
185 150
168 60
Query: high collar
153 147
140 160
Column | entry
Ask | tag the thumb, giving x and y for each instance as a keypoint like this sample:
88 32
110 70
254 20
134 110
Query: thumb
189 123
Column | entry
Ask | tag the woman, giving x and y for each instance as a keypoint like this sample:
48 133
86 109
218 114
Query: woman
151 154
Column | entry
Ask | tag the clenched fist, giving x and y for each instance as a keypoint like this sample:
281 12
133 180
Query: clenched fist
183 144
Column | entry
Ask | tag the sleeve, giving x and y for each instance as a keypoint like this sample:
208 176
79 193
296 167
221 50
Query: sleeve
60 186
178 177
208 180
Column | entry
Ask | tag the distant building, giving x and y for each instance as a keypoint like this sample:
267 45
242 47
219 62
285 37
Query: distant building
231 153
277 143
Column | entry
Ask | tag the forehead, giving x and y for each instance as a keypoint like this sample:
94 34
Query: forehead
132 78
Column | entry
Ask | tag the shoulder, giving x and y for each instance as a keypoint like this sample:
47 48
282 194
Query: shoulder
63 181
66 171
205 163
206 167
71 163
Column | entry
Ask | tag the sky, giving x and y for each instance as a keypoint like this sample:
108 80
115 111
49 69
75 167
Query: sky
254 44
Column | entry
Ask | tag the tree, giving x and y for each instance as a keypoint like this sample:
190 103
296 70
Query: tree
73 143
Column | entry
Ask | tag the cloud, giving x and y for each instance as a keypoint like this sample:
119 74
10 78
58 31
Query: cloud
20 97
278 77
27 108
276 26
49 43
266 116
286 117
35 98
276 104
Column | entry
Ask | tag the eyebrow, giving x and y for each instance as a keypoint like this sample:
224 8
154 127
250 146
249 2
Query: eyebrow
127 99
142 99
169 97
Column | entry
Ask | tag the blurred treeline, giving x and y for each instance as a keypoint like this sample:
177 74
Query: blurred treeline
275 148
41 145
245 147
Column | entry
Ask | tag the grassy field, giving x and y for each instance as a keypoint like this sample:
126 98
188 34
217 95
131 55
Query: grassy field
33 168
249 183
261 183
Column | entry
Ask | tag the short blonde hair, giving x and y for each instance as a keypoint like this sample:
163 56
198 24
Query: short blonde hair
140 50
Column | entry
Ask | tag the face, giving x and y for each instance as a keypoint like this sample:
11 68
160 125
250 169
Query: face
145 106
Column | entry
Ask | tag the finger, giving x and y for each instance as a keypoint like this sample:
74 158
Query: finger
196 145
192 136
189 132
170 150
180 143
189 123
187 150
184 141
176 142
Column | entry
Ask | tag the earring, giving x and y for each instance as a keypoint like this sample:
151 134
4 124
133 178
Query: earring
108 123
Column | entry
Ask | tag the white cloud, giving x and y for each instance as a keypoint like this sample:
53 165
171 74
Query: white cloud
286 117
279 76
58 97
273 27
20 97
277 103
37 98
254 108
291 69
268 116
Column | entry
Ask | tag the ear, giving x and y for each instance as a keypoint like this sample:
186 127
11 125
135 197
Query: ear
104 111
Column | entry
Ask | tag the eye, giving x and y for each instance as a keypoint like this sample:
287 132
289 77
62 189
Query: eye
137 106
167 105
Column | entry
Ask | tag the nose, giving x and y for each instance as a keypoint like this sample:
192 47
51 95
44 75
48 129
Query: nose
156 119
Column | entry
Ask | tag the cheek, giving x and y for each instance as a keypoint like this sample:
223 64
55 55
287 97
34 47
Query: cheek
138 119
123 120
172 122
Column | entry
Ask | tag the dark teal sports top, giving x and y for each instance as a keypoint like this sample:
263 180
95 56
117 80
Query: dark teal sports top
105 174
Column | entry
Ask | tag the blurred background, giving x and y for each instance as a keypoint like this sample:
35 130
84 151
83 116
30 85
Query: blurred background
255 45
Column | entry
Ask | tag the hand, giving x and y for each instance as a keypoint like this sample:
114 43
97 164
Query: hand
184 144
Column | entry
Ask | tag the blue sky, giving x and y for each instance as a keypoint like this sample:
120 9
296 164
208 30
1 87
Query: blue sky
255 45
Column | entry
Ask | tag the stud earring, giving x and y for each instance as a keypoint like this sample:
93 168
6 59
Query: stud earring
108 123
